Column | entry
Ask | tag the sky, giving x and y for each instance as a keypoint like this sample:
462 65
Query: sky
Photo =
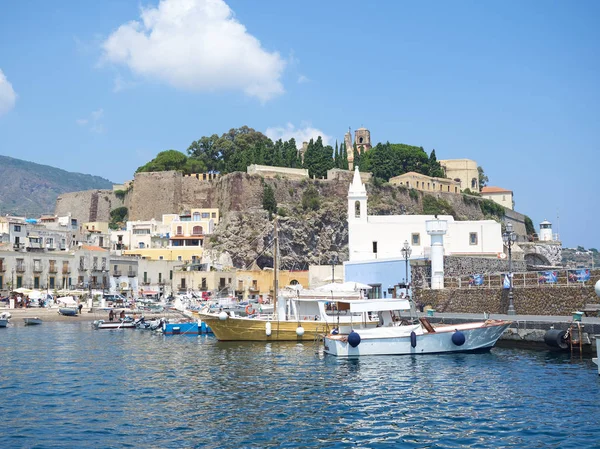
103 87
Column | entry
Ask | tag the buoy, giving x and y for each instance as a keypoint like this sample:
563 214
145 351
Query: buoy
354 339
223 316
458 338
268 328
299 331
413 339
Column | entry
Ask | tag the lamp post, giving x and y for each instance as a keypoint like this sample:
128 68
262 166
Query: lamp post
12 279
406 251
509 238
333 262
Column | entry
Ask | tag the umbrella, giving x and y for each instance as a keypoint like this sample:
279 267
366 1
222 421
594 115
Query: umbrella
348 286
358 285
23 290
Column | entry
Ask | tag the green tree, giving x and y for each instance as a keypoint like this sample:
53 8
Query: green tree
344 161
435 169
529 228
356 157
483 179
269 202
311 199
166 160
336 157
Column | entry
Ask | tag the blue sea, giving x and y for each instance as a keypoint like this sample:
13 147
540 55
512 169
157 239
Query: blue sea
65 385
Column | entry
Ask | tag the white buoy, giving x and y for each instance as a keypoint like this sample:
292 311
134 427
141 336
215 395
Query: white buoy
300 331
268 328
223 316
597 288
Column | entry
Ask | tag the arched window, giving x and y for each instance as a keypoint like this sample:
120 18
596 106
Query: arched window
197 230
360 140
196 216
474 183
357 209
179 230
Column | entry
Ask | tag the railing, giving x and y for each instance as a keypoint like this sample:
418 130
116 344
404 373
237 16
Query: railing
52 270
146 281
20 269
116 273
66 270
37 269
555 278
131 274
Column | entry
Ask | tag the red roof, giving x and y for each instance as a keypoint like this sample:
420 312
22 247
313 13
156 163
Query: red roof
92 248
492 189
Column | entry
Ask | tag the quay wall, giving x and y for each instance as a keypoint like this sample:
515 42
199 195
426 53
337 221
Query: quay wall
535 300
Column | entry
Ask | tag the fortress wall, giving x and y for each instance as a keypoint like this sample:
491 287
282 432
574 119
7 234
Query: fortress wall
155 194
82 207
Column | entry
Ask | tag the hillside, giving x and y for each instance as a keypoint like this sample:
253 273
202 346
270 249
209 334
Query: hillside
30 189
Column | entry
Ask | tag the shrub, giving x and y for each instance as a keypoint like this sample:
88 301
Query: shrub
282 212
311 199
435 206
414 195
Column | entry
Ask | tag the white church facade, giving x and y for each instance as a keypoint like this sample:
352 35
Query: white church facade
373 237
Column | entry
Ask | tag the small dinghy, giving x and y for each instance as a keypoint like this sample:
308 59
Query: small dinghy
32 321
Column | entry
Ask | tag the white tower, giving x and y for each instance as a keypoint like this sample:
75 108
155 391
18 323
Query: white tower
357 208
437 229
545 231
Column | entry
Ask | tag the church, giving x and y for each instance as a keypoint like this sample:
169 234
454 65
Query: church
375 242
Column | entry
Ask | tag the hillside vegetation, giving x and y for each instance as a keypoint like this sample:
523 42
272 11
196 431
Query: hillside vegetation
30 189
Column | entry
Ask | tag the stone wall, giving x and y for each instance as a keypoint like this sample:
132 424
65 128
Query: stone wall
87 205
154 194
541 300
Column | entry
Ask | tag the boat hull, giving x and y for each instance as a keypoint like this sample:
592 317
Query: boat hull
190 328
32 321
478 337
255 329
67 311
101 324
3 322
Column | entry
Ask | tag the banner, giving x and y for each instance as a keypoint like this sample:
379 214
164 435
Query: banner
547 277
476 279
506 282
579 275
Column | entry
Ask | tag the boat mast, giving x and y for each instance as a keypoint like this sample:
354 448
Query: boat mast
275 251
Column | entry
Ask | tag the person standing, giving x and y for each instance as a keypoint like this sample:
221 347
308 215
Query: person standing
111 315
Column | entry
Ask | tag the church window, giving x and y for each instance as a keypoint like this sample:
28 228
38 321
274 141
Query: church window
357 209
416 239
472 238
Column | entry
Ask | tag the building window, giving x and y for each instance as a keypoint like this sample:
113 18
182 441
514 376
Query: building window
159 278
36 282
375 292
205 215
214 215
221 283
52 283
142 245
197 230
375 247
472 238
357 209
179 258
160 257
473 183
203 284
196 216
19 281
179 230
17 228
503 197
416 239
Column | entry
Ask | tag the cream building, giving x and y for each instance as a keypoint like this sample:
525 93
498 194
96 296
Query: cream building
463 171
499 195
373 237
414 180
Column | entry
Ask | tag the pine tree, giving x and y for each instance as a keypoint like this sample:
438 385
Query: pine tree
336 158
356 156
269 202
344 161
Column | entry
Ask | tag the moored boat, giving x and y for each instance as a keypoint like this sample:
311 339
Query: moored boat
122 324
395 336
32 321
184 328
4 319
68 311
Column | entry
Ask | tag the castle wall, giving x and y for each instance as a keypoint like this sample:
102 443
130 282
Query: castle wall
87 205
155 194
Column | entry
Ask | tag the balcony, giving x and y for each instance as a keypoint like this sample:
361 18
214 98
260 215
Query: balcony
146 281
52 270
66 270
20 269
37 269
116 273
131 274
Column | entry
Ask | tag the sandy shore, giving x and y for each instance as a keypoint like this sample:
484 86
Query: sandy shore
51 314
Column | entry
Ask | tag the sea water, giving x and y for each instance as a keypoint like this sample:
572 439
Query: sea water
67 385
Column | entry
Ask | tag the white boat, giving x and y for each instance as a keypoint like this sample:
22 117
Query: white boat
32 321
4 318
596 359
122 324
396 336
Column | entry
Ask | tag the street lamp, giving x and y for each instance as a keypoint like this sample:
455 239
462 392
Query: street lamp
406 251
509 238
333 263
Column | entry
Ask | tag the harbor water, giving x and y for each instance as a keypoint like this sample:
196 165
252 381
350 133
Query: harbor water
67 385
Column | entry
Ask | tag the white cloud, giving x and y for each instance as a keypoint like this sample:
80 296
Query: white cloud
196 45
300 134
303 79
94 121
8 97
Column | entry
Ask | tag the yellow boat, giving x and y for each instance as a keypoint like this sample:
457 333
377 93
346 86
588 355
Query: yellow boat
306 317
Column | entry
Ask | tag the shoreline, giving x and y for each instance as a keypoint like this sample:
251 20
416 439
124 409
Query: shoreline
87 315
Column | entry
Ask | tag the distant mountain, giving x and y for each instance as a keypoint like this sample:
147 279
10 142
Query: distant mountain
30 189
